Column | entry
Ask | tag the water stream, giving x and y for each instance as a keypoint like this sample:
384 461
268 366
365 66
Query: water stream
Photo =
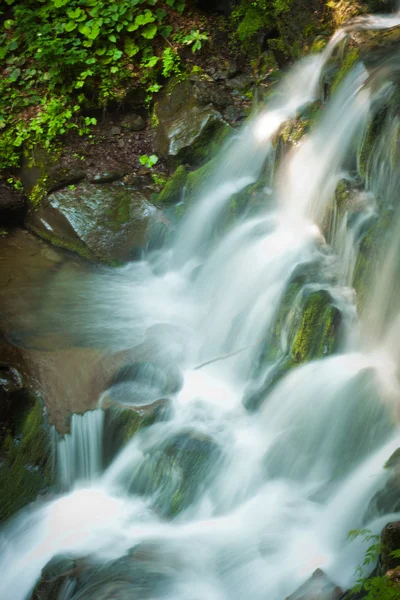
275 491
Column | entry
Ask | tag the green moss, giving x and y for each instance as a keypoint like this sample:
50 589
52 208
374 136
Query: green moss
350 58
78 247
39 192
196 179
172 192
316 335
208 144
26 469
369 253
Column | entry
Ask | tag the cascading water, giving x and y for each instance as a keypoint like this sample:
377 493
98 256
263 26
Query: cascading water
264 497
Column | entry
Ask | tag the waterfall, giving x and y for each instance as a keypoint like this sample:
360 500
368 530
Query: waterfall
216 500
78 455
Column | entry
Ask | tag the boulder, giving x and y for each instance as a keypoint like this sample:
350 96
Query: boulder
25 461
317 587
189 129
108 223
133 122
40 174
172 191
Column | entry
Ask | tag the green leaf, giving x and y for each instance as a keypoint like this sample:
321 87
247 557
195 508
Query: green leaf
130 48
112 38
60 3
8 23
149 31
70 26
144 18
101 51
74 14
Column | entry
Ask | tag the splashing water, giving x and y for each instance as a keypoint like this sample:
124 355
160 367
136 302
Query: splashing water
270 495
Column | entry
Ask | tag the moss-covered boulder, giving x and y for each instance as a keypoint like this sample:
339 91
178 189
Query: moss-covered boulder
371 246
317 333
174 473
172 191
108 223
25 461
41 174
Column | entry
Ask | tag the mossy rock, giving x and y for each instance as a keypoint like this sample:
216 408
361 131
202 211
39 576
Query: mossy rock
349 59
174 473
318 331
172 191
40 174
25 471
121 424
107 223
370 251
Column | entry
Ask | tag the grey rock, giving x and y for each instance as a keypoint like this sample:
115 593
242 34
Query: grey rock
133 122
107 177
107 223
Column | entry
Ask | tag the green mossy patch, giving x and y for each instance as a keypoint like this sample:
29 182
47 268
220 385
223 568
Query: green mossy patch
351 56
25 470
172 191
317 334
369 253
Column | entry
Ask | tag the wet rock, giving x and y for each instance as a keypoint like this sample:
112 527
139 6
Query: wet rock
24 449
40 174
133 122
176 471
12 206
107 177
107 223
189 129
318 587
187 137
234 113
55 579
172 191
131 577
241 82
318 332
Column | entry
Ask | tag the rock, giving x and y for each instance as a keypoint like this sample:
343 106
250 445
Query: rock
172 191
234 113
176 471
133 122
115 130
390 541
40 174
25 462
317 587
318 332
12 206
187 137
55 575
240 82
107 223
107 177
188 128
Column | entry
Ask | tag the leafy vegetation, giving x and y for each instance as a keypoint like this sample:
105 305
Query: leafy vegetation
375 587
63 58
148 161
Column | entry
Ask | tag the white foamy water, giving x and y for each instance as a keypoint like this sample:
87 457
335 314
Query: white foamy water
226 503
